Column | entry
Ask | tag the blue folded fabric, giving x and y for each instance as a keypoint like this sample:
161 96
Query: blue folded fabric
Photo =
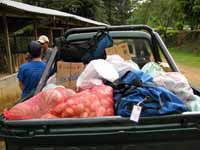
155 100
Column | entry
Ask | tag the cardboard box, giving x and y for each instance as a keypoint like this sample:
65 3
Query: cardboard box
63 73
123 51
111 50
68 73
120 49
75 71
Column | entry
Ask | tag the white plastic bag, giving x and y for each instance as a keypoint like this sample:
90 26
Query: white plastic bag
194 105
52 79
177 83
94 72
51 86
152 68
121 65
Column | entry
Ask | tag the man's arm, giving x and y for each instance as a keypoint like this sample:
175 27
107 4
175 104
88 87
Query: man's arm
20 77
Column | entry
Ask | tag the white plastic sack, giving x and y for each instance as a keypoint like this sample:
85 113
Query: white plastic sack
194 105
94 72
121 65
133 64
177 83
52 79
152 68
51 86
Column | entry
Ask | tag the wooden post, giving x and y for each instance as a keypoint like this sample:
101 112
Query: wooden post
51 36
7 44
35 30
50 31
62 31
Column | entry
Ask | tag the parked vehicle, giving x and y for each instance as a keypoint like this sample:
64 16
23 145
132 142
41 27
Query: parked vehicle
177 131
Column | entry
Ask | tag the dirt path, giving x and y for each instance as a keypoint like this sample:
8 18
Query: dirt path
192 74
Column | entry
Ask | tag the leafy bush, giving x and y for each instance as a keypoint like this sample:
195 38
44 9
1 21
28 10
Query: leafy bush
160 30
179 25
170 39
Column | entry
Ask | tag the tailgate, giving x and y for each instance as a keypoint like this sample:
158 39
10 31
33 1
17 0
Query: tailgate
103 133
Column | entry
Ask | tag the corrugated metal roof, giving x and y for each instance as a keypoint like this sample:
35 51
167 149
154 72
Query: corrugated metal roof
46 11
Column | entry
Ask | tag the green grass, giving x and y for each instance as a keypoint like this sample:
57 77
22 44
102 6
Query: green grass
185 57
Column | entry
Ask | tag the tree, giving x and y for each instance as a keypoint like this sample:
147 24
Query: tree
140 12
108 11
165 12
122 8
85 8
118 11
191 10
157 13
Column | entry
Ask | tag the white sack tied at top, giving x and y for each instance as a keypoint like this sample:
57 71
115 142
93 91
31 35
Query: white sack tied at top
121 65
94 72
177 83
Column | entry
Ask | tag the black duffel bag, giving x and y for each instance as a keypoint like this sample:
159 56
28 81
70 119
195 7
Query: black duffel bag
87 50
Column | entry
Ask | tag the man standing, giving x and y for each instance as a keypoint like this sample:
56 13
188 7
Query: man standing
44 41
30 73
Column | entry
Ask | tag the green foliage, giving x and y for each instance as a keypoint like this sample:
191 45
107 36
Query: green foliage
118 11
171 38
141 12
160 30
85 8
108 11
26 29
179 25
160 14
191 11
187 41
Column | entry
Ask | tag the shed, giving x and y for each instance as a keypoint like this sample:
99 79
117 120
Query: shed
15 16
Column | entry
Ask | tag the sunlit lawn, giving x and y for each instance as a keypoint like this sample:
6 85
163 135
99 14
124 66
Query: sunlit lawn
186 58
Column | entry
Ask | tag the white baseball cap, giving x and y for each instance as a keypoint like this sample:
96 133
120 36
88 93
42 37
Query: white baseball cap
43 39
